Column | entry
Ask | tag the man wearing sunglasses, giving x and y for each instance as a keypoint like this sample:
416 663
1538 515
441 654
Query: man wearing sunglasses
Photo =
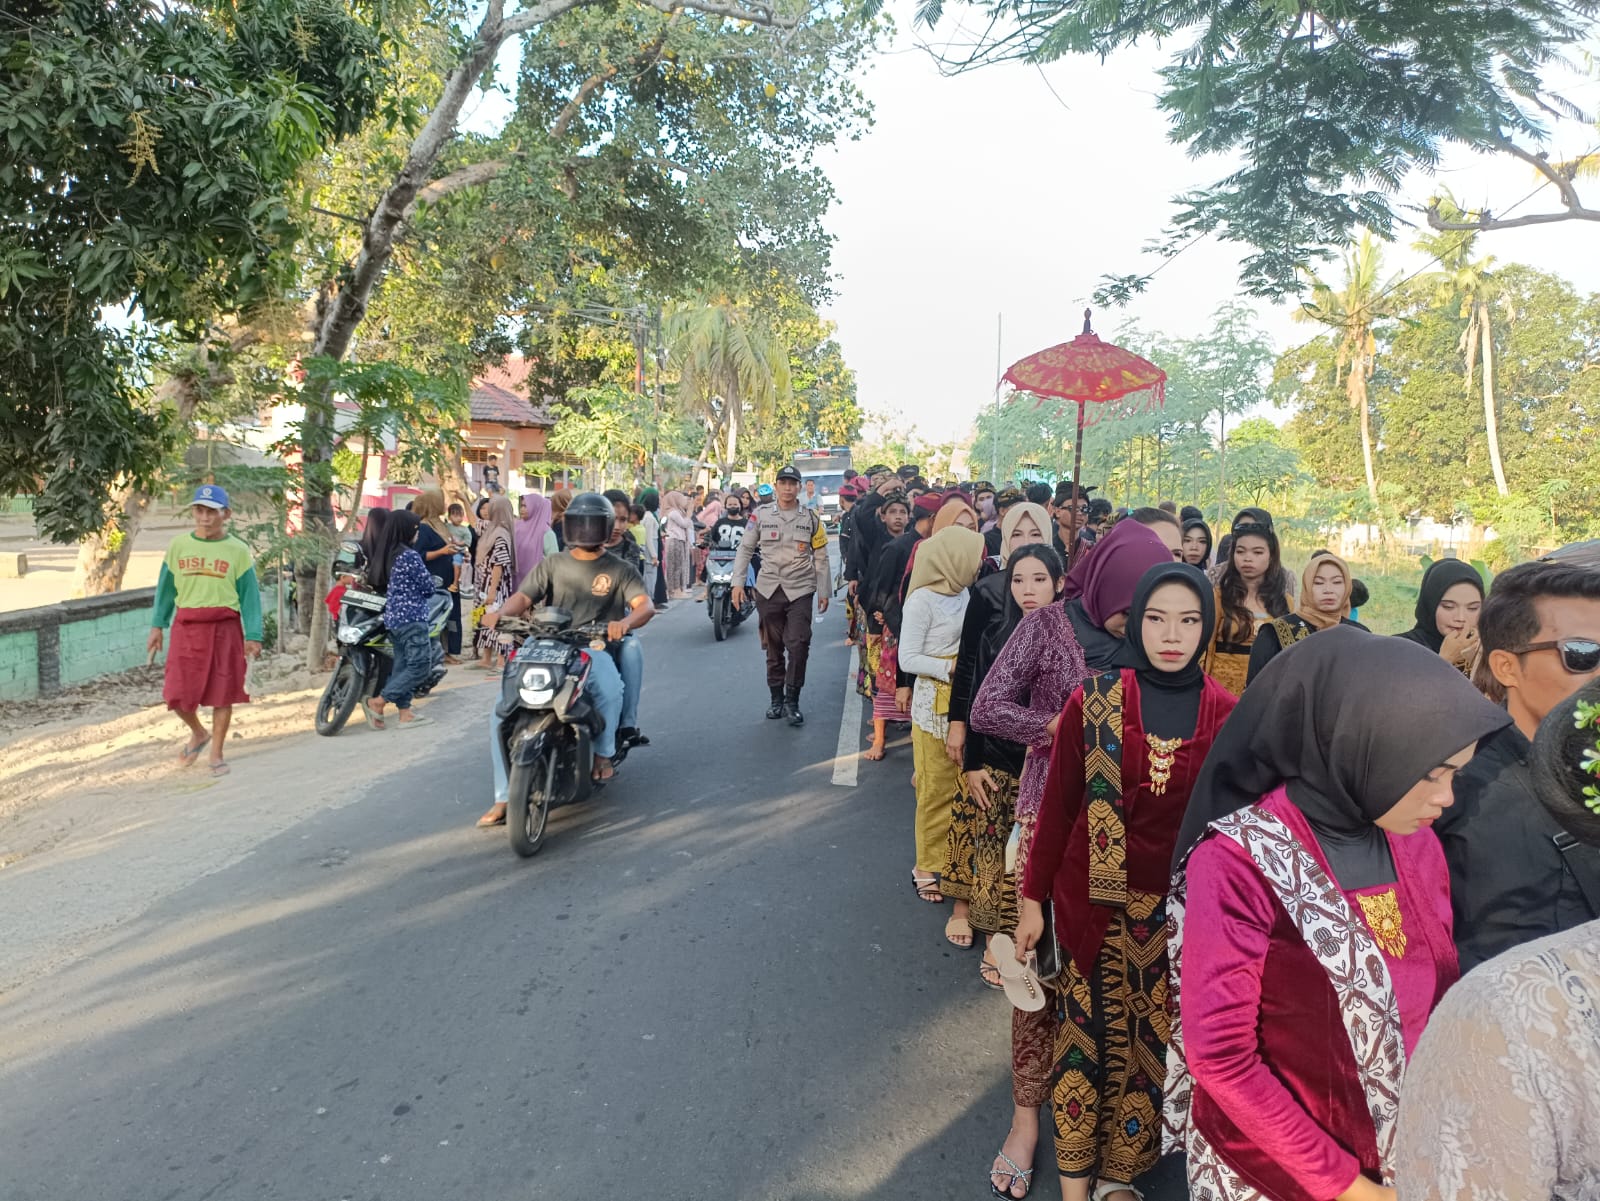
1515 875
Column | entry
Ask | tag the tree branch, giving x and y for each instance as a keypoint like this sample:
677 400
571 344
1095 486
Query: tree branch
340 216
1575 209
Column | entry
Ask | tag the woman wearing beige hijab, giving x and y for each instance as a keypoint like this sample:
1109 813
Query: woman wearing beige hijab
680 538
495 574
1324 602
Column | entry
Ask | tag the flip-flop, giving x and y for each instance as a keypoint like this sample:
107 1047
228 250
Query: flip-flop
190 755
375 720
490 820
418 720
218 770
955 928
1021 984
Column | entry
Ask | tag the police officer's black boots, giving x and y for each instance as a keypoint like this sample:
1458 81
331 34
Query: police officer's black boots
791 707
775 710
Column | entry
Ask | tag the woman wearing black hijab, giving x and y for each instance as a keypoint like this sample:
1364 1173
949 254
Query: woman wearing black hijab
1130 746
1197 543
1311 910
1447 612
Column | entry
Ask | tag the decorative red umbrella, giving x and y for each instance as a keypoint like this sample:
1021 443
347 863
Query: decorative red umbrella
1088 371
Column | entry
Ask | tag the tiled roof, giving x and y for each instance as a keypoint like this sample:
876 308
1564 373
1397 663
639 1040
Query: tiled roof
496 396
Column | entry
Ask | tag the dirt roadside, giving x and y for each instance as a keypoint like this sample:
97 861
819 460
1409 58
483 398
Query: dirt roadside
98 821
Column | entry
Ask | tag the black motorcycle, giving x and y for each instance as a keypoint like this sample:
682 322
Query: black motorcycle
720 608
366 656
547 724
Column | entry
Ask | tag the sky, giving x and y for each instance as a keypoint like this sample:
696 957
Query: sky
1012 189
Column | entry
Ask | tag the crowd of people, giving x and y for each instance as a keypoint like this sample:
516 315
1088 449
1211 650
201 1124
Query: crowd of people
1227 872
1226 852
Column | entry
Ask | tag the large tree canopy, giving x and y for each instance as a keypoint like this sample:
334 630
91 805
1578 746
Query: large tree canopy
1326 107
145 154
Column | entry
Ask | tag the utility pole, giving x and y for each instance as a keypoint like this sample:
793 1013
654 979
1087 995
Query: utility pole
999 360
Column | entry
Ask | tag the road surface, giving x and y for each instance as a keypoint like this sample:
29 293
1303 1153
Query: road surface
715 981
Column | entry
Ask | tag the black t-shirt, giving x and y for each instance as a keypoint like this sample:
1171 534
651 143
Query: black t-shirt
727 533
591 590
443 568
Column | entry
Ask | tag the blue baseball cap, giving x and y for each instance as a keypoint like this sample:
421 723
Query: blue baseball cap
211 496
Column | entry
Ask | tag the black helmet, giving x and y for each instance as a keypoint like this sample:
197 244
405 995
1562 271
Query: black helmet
588 521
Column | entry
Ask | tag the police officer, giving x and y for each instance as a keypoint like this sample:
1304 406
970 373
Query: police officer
794 569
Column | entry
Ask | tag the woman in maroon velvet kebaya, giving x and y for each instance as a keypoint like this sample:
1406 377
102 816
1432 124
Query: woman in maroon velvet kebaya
1129 748
1310 917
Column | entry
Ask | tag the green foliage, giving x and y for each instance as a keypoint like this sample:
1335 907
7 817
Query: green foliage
371 403
145 151
609 426
1326 108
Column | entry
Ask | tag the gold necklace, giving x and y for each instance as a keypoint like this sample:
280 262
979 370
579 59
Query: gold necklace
1163 752
1382 912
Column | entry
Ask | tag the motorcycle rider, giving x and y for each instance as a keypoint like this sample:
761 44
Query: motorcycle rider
729 528
794 573
593 584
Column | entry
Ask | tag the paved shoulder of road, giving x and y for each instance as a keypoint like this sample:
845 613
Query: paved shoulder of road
714 981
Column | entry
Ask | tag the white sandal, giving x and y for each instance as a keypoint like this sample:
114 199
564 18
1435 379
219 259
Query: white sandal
1021 983
1106 1188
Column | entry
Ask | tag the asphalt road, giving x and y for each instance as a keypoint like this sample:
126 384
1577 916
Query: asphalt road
714 981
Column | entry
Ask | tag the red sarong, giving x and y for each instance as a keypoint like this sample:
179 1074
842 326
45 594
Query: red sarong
205 660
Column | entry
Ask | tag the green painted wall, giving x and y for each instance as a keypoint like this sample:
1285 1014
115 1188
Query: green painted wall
19 665
103 646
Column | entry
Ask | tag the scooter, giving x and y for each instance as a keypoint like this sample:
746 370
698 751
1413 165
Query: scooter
366 656
547 724
719 594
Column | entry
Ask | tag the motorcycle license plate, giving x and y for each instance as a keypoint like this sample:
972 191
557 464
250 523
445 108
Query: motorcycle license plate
544 654
366 600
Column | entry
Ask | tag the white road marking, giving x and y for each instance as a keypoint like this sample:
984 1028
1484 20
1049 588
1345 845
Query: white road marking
847 754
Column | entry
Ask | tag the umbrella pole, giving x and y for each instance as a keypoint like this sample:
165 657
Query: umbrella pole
1077 477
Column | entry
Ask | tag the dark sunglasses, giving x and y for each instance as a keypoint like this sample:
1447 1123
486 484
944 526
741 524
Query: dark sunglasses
1580 656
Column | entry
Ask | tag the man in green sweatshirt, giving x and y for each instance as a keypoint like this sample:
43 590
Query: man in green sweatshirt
208 594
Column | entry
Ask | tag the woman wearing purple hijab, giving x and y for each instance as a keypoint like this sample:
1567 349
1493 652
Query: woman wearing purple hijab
533 538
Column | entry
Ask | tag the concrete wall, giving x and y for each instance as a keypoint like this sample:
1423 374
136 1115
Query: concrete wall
44 650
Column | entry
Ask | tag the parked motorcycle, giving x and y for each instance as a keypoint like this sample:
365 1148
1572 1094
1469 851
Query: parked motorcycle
719 594
547 724
366 656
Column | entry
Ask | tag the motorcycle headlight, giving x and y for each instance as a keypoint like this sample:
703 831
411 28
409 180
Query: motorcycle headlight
537 686
722 577
350 635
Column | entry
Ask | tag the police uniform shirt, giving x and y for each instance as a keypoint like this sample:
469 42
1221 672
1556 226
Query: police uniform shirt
794 551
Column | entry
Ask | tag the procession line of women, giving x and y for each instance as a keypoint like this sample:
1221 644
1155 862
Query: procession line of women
1215 917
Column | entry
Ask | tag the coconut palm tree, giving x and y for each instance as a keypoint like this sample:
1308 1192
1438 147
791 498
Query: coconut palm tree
1470 285
730 366
1353 313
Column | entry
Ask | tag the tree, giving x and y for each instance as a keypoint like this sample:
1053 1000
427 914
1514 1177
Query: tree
610 427
1226 371
669 134
146 156
1354 312
1328 107
728 363
1470 285
1264 464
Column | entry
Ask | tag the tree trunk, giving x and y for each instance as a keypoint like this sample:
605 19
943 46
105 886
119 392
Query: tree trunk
1356 387
361 487
103 556
317 645
1222 469
1491 420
